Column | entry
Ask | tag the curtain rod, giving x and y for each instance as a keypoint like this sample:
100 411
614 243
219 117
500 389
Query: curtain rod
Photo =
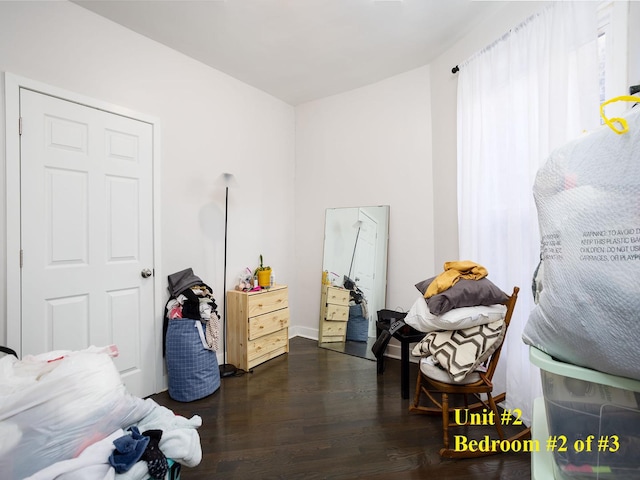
456 69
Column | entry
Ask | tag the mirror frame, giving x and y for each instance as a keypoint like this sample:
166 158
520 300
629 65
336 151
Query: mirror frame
339 252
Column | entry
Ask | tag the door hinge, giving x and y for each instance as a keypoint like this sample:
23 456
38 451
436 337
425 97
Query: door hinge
21 257
20 126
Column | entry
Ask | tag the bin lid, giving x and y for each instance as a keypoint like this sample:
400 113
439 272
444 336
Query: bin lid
545 362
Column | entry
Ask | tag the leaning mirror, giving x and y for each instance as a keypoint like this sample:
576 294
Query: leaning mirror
354 278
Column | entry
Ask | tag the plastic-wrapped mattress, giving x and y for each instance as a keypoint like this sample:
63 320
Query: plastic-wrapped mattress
52 406
588 200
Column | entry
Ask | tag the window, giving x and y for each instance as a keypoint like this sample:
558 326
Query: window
612 53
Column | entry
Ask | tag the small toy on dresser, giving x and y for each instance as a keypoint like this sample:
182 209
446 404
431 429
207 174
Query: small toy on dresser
262 277
246 281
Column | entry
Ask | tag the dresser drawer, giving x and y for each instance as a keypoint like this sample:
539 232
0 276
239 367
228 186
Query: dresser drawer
334 313
334 329
338 296
266 302
267 346
268 323
337 313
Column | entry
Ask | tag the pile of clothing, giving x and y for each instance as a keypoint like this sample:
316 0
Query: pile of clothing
67 414
462 313
192 298
168 442
191 338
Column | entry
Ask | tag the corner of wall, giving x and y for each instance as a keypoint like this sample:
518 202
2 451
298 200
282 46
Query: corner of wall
3 209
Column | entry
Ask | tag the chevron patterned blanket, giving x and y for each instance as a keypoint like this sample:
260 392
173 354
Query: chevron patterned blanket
461 352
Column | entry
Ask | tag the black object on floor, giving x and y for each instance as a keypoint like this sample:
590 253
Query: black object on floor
387 327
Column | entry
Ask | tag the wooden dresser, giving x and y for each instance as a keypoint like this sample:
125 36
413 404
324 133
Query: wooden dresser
258 326
334 313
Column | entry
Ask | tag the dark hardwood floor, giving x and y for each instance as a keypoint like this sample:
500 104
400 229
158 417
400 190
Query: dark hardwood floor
318 414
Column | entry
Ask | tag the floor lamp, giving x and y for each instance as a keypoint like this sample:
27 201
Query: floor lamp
357 225
227 180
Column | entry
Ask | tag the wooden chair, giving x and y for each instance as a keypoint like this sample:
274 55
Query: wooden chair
436 391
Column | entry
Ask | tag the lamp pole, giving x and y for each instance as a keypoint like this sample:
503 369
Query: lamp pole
226 369
355 245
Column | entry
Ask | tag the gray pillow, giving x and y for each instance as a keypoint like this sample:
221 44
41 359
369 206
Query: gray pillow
465 293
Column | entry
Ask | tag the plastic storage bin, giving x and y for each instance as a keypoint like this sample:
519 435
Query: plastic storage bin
593 421
541 459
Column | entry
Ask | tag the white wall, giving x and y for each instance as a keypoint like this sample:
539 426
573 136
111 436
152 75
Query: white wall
369 146
210 123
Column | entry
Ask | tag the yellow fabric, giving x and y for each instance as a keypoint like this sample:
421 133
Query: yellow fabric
454 271
624 127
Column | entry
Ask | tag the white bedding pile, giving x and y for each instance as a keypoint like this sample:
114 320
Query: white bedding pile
60 411
458 340
420 318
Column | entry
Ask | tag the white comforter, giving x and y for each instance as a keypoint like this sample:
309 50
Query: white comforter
180 441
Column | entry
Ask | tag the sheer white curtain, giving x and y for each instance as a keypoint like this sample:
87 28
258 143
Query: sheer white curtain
528 93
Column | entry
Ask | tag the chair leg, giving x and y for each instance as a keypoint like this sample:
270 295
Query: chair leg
416 396
498 420
442 408
433 406
445 420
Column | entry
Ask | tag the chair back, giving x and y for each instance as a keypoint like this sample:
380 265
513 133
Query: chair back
492 362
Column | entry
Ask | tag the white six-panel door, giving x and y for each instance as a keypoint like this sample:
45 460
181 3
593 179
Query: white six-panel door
87 233
364 264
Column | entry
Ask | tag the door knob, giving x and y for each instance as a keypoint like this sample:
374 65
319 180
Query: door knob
146 273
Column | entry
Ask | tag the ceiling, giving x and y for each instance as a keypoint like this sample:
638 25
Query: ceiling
302 50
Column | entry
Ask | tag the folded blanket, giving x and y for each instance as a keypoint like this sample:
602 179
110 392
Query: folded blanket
460 352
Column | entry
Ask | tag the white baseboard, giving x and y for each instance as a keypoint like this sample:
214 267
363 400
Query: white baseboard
305 332
393 349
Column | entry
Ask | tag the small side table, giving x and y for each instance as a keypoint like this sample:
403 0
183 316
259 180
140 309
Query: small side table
406 335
